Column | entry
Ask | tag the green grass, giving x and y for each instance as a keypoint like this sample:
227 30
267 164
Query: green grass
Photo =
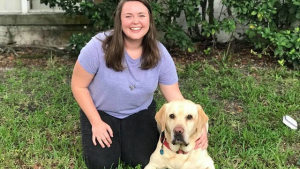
39 119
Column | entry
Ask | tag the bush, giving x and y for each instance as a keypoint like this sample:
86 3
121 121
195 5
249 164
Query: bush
271 26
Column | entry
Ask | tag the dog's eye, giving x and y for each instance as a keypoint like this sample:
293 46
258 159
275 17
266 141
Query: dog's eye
189 117
172 116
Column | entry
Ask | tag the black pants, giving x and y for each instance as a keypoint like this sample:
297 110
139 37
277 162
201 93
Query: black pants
135 139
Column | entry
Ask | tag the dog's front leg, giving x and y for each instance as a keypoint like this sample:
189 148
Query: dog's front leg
155 164
211 167
149 166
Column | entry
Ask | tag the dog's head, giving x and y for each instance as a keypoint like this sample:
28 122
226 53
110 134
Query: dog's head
182 121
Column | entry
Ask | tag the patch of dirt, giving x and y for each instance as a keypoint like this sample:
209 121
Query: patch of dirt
12 56
239 56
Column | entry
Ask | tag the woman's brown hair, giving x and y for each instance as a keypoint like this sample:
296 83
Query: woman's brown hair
113 45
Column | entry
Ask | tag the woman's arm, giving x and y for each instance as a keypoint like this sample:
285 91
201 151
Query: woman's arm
79 84
171 92
202 142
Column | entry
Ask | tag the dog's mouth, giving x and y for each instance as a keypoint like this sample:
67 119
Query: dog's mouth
179 140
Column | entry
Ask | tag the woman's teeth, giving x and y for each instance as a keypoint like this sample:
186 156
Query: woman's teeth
135 29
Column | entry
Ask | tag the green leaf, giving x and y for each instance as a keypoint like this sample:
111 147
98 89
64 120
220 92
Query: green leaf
213 31
191 8
253 13
298 4
245 10
276 52
283 43
259 55
193 23
281 62
292 51
168 36
270 4
259 16
289 45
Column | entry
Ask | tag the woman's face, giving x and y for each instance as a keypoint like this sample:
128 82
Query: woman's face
135 20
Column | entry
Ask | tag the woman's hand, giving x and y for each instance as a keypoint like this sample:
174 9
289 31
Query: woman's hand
202 142
102 133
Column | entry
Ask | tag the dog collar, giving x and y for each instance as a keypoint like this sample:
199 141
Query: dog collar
163 141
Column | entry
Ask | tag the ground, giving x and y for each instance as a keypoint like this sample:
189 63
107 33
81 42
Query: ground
11 55
32 56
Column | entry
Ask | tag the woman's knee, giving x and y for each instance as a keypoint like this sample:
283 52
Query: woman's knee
94 162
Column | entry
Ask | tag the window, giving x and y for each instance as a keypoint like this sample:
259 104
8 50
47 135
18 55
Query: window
28 6
25 7
36 7
10 6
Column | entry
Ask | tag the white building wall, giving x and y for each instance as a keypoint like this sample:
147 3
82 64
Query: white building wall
10 6
27 22
223 36
218 9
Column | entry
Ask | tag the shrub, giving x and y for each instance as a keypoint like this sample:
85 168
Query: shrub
271 26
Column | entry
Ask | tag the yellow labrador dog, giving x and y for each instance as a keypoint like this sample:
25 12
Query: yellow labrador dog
180 123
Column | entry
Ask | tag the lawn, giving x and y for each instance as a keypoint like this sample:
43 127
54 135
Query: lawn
40 121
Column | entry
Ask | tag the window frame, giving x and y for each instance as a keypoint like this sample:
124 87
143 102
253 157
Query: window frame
24 6
26 9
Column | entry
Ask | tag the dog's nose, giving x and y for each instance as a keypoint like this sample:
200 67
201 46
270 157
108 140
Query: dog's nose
178 130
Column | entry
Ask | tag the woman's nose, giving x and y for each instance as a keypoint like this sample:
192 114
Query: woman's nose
135 20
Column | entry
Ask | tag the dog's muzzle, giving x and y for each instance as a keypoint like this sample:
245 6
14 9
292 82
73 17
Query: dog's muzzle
178 136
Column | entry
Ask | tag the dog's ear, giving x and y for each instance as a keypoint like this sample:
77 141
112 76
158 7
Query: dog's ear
160 117
202 118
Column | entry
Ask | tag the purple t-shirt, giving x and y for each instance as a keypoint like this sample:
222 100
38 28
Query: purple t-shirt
121 94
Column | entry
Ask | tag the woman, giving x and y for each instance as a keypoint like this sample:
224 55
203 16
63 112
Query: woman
113 82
